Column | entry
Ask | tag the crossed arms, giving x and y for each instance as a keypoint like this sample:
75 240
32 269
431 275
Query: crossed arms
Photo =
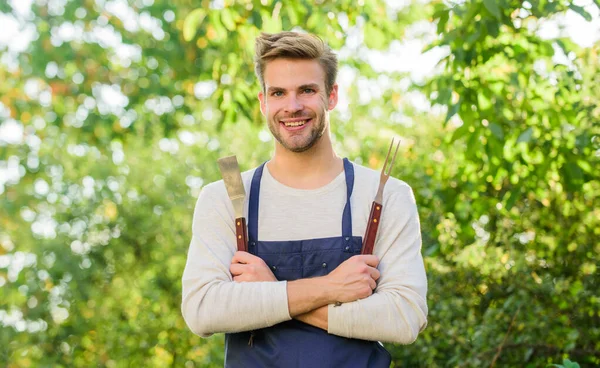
308 299
225 291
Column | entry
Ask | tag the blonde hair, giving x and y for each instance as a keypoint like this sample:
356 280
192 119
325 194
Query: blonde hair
293 45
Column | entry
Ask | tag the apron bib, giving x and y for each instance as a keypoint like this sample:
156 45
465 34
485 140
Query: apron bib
294 343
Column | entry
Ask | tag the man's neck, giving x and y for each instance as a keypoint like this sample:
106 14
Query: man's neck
310 169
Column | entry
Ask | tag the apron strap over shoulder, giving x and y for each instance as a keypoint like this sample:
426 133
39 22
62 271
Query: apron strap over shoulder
254 203
347 217
253 209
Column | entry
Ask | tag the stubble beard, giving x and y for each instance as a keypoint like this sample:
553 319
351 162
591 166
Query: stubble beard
316 132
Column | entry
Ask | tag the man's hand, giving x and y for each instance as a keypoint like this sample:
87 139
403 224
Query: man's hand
246 267
355 278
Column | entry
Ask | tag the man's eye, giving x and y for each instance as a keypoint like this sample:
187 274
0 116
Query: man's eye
309 90
277 94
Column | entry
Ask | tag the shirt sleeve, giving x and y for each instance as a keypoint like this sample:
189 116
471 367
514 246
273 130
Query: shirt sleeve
212 302
397 311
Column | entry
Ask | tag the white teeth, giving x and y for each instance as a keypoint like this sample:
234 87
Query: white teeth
295 123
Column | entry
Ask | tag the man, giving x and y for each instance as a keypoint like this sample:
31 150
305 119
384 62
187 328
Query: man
303 296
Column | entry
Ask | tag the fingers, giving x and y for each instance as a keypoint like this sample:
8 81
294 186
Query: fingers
371 262
370 259
237 269
367 259
375 274
372 284
240 257
240 272
243 257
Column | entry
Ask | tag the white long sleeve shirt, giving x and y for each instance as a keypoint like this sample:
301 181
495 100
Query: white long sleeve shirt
397 310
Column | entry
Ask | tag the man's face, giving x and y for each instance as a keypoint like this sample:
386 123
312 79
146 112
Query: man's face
295 102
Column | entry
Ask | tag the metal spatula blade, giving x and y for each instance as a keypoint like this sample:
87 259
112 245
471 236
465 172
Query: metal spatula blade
230 171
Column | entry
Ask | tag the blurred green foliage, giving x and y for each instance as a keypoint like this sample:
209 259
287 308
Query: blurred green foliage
125 107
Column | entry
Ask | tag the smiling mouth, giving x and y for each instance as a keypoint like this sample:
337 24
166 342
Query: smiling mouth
293 124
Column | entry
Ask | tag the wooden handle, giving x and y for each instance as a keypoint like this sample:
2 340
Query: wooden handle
372 226
241 234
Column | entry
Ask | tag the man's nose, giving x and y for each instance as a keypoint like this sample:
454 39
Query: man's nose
293 104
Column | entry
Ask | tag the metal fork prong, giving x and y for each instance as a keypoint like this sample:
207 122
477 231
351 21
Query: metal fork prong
394 158
387 157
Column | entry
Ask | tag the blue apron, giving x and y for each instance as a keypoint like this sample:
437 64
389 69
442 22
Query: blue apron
293 343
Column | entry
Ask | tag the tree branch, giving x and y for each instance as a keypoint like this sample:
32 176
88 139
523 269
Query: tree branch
505 338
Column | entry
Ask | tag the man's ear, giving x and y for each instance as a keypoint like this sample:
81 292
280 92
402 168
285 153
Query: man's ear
332 100
263 106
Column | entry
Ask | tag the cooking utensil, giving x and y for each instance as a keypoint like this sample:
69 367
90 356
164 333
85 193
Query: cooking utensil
377 206
230 171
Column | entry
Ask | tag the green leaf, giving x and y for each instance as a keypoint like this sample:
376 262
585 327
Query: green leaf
497 131
443 20
473 37
270 24
525 136
192 22
452 111
492 7
449 37
510 198
445 94
292 14
585 166
374 37
484 101
473 145
256 19
221 31
493 29
581 11
574 171
431 46
460 132
572 176
314 20
546 49
569 364
227 19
